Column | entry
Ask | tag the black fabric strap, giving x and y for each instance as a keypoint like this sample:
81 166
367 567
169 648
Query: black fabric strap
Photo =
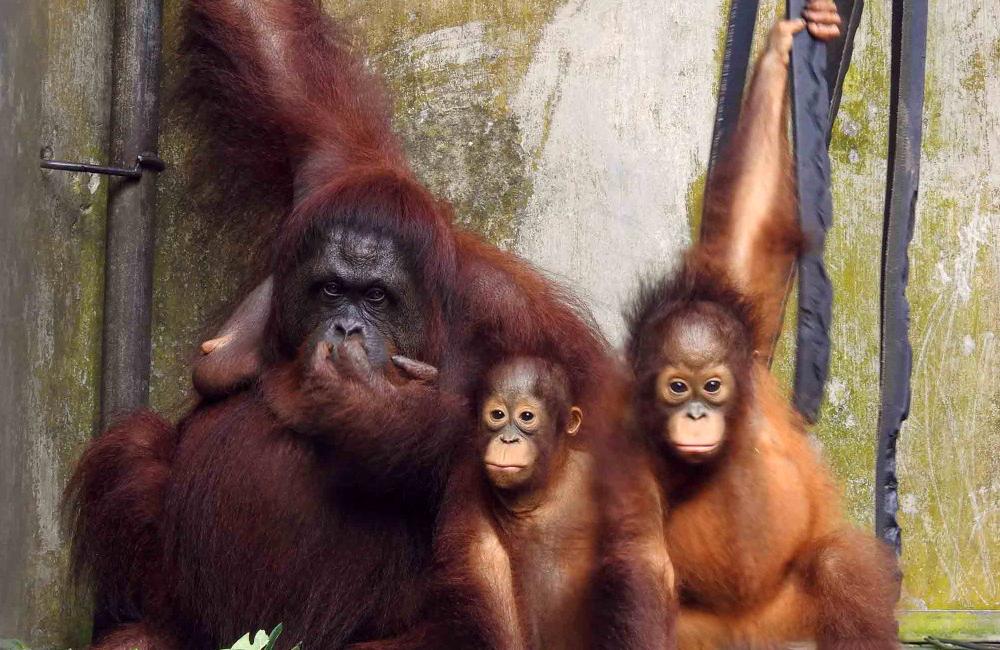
839 53
909 40
810 126
735 60
818 73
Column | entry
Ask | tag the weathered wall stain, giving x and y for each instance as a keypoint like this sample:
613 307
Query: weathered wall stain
605 113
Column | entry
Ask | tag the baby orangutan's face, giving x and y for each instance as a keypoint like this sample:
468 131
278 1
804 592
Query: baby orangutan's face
521 425
695 388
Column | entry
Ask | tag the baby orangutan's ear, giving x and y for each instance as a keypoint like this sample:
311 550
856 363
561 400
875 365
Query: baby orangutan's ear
575 420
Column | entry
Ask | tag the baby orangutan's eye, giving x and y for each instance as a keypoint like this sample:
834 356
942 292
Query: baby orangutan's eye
678 387
527 416
713 386
496 414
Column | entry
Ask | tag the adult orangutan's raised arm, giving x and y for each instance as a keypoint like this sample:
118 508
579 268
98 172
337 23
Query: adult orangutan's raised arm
749 223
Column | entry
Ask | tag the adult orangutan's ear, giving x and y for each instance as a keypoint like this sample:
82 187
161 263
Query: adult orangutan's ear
575 420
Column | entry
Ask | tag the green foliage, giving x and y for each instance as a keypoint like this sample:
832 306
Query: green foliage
261 641
12 644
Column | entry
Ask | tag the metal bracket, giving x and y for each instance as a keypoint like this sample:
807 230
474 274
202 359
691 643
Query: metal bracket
144 161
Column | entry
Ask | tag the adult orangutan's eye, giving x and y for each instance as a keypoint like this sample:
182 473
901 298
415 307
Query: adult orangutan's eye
331 289
375 295
713 386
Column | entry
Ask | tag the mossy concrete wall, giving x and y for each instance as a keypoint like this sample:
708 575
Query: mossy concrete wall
948 451
576 132
54 98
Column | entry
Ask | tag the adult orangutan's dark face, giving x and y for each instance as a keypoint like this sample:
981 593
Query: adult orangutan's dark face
354 284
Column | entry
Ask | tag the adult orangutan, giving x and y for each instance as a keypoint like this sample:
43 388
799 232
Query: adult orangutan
761 551
251 511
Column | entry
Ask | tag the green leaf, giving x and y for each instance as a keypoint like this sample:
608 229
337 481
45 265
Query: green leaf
275 633
260 641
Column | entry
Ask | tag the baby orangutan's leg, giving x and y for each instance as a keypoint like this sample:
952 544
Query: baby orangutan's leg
854 579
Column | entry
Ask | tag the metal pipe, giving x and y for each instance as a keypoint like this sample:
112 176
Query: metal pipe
128 270
128 281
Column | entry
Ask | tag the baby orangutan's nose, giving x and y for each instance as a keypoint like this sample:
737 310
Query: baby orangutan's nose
696 410
509 439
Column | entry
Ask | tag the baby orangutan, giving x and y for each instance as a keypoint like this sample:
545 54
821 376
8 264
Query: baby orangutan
762 553
754 528
528 556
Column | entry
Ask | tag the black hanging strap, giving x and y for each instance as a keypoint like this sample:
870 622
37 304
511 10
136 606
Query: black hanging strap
810 126
735 60
909 40
839 53
818 72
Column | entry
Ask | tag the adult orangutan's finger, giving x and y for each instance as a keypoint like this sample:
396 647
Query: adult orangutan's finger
822 5
416 369
354 359
321 354
824 32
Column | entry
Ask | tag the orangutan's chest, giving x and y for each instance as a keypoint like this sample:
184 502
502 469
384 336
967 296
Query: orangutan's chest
731 551
553 591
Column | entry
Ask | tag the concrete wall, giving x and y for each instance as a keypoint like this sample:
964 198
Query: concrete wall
575 132
54 83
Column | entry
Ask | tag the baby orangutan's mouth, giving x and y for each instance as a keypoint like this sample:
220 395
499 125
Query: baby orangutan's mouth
698 449
506 469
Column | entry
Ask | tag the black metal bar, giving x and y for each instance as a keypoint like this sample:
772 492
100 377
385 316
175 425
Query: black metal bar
64 166
810 126
909 40
143 161
735 60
